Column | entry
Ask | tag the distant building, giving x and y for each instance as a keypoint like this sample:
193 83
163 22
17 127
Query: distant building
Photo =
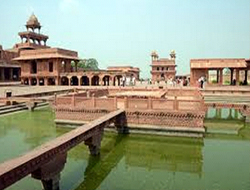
9 71
220 71
163 69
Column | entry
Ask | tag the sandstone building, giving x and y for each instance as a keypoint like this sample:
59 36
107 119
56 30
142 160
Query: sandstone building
163 69
43 65
9 71
223 71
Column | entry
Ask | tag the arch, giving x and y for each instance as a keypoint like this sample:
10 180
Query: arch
211 113
95 80
84 81
41 81
26 81
33 81
162 76
117 80
64 81
51 81
74 81
106 80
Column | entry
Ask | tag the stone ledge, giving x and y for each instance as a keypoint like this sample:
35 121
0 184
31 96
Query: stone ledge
149 129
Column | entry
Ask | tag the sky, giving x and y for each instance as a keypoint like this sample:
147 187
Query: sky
125 32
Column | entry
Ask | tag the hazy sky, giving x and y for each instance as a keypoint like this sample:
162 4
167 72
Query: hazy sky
124 32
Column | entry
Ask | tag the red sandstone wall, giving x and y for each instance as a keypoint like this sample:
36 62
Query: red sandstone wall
79 115
169 119
156 118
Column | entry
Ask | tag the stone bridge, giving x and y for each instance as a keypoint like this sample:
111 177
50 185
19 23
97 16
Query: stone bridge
47 161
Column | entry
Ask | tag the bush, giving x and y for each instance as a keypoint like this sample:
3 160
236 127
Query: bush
214 81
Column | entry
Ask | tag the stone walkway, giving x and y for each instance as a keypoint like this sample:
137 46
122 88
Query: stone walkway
22 90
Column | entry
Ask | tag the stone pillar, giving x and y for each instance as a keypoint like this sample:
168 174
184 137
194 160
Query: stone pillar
218 113
57 81
245 80
69 79
231 75
94 142
230 114
207 76
237 76
90 81
236 114
31 105
221 76
119 81
45 81
30 81
217 76
79 80
49 173
110 81
121 123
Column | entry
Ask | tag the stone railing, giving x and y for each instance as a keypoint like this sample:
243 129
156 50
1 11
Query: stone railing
75 102
164 104
175 103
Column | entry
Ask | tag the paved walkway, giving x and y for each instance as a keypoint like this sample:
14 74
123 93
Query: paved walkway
23 90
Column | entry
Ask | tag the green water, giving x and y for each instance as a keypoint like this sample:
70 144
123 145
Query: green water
134 161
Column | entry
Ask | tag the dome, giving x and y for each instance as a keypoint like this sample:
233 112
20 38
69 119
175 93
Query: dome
154 53
172 51
33 22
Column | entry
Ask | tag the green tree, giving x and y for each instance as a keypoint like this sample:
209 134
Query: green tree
87 64
92 64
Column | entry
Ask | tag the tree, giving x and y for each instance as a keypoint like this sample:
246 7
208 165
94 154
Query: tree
87 64
92 64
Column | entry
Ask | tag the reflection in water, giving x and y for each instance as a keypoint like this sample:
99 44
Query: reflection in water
135 161
227 121
223 113
171 154
99 167
151 153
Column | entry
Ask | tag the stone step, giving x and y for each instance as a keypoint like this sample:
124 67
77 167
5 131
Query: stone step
2 112
6 107
19 107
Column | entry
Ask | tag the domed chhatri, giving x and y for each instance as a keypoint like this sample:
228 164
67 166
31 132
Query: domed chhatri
154 55
172 54
33 23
